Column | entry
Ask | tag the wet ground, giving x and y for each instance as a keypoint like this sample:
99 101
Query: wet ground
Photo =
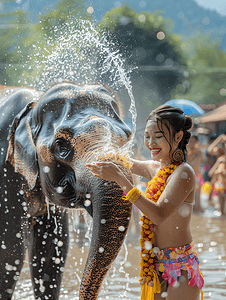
209 234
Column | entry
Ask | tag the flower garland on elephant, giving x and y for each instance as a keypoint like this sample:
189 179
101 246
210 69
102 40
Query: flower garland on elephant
154 190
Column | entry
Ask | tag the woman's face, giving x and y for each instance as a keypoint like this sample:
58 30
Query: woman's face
157 142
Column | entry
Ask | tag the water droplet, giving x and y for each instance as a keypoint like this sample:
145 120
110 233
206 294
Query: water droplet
8 267
164 294
3 246
121 228
147 245
142 18
60 244
166 201
176 284
184 175
101 250
184 211
46 169
88 196
213 243
87 203
59 189
90 10
57 260
103 221
117 4
160 35
155 250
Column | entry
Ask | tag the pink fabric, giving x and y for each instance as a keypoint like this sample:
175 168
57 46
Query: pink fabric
171 261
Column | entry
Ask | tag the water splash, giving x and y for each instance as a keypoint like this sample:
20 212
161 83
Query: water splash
84 55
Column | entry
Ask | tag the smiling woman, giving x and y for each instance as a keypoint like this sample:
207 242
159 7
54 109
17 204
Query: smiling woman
169 263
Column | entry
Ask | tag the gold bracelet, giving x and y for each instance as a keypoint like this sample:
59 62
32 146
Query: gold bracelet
132 195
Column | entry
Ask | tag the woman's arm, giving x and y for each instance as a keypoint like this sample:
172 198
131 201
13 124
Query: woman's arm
145 169
181 184
215 166
220 139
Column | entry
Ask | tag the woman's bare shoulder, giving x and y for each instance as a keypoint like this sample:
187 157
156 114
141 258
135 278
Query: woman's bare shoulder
186 171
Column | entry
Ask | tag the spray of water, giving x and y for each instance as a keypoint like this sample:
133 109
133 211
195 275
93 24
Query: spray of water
82 54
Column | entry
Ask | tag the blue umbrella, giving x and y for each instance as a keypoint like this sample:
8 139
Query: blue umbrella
189 107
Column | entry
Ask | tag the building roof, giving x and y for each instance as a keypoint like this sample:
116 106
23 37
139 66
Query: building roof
216 115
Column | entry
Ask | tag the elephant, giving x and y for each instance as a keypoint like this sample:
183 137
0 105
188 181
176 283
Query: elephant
46 140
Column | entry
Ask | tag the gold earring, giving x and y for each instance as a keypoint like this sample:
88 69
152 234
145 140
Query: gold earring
178 155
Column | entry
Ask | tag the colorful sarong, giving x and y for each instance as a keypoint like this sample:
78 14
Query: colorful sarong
169 263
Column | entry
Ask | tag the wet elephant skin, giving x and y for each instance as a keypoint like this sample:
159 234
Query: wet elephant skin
46 140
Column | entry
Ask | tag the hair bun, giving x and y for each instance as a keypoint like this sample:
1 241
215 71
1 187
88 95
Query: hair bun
188 123
186 137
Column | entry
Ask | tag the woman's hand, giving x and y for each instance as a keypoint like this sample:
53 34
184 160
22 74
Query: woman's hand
105 170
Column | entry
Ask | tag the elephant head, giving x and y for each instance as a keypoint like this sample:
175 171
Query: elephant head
51 141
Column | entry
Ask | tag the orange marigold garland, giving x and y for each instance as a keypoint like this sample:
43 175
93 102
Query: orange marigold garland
154 190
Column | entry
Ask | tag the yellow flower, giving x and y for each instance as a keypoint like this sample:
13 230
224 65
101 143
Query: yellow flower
206 188
161 267
145 226
151 235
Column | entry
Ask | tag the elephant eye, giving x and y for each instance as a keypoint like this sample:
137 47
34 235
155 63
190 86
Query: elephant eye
62 148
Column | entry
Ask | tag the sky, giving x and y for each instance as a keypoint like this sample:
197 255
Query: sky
218 5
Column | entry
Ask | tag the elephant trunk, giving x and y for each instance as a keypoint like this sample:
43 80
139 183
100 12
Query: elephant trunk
111 216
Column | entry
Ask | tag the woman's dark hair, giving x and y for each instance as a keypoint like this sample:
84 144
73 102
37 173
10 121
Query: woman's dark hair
174 116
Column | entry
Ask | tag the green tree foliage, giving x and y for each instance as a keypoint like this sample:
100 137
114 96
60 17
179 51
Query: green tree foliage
205 82
24 45
52 22
151 49
13 53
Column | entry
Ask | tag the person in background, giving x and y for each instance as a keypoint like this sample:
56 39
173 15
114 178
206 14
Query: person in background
195 158
218 172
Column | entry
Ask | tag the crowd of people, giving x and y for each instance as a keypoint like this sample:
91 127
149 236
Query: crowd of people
207 156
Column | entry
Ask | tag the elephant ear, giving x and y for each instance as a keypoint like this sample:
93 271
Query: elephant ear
21 150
